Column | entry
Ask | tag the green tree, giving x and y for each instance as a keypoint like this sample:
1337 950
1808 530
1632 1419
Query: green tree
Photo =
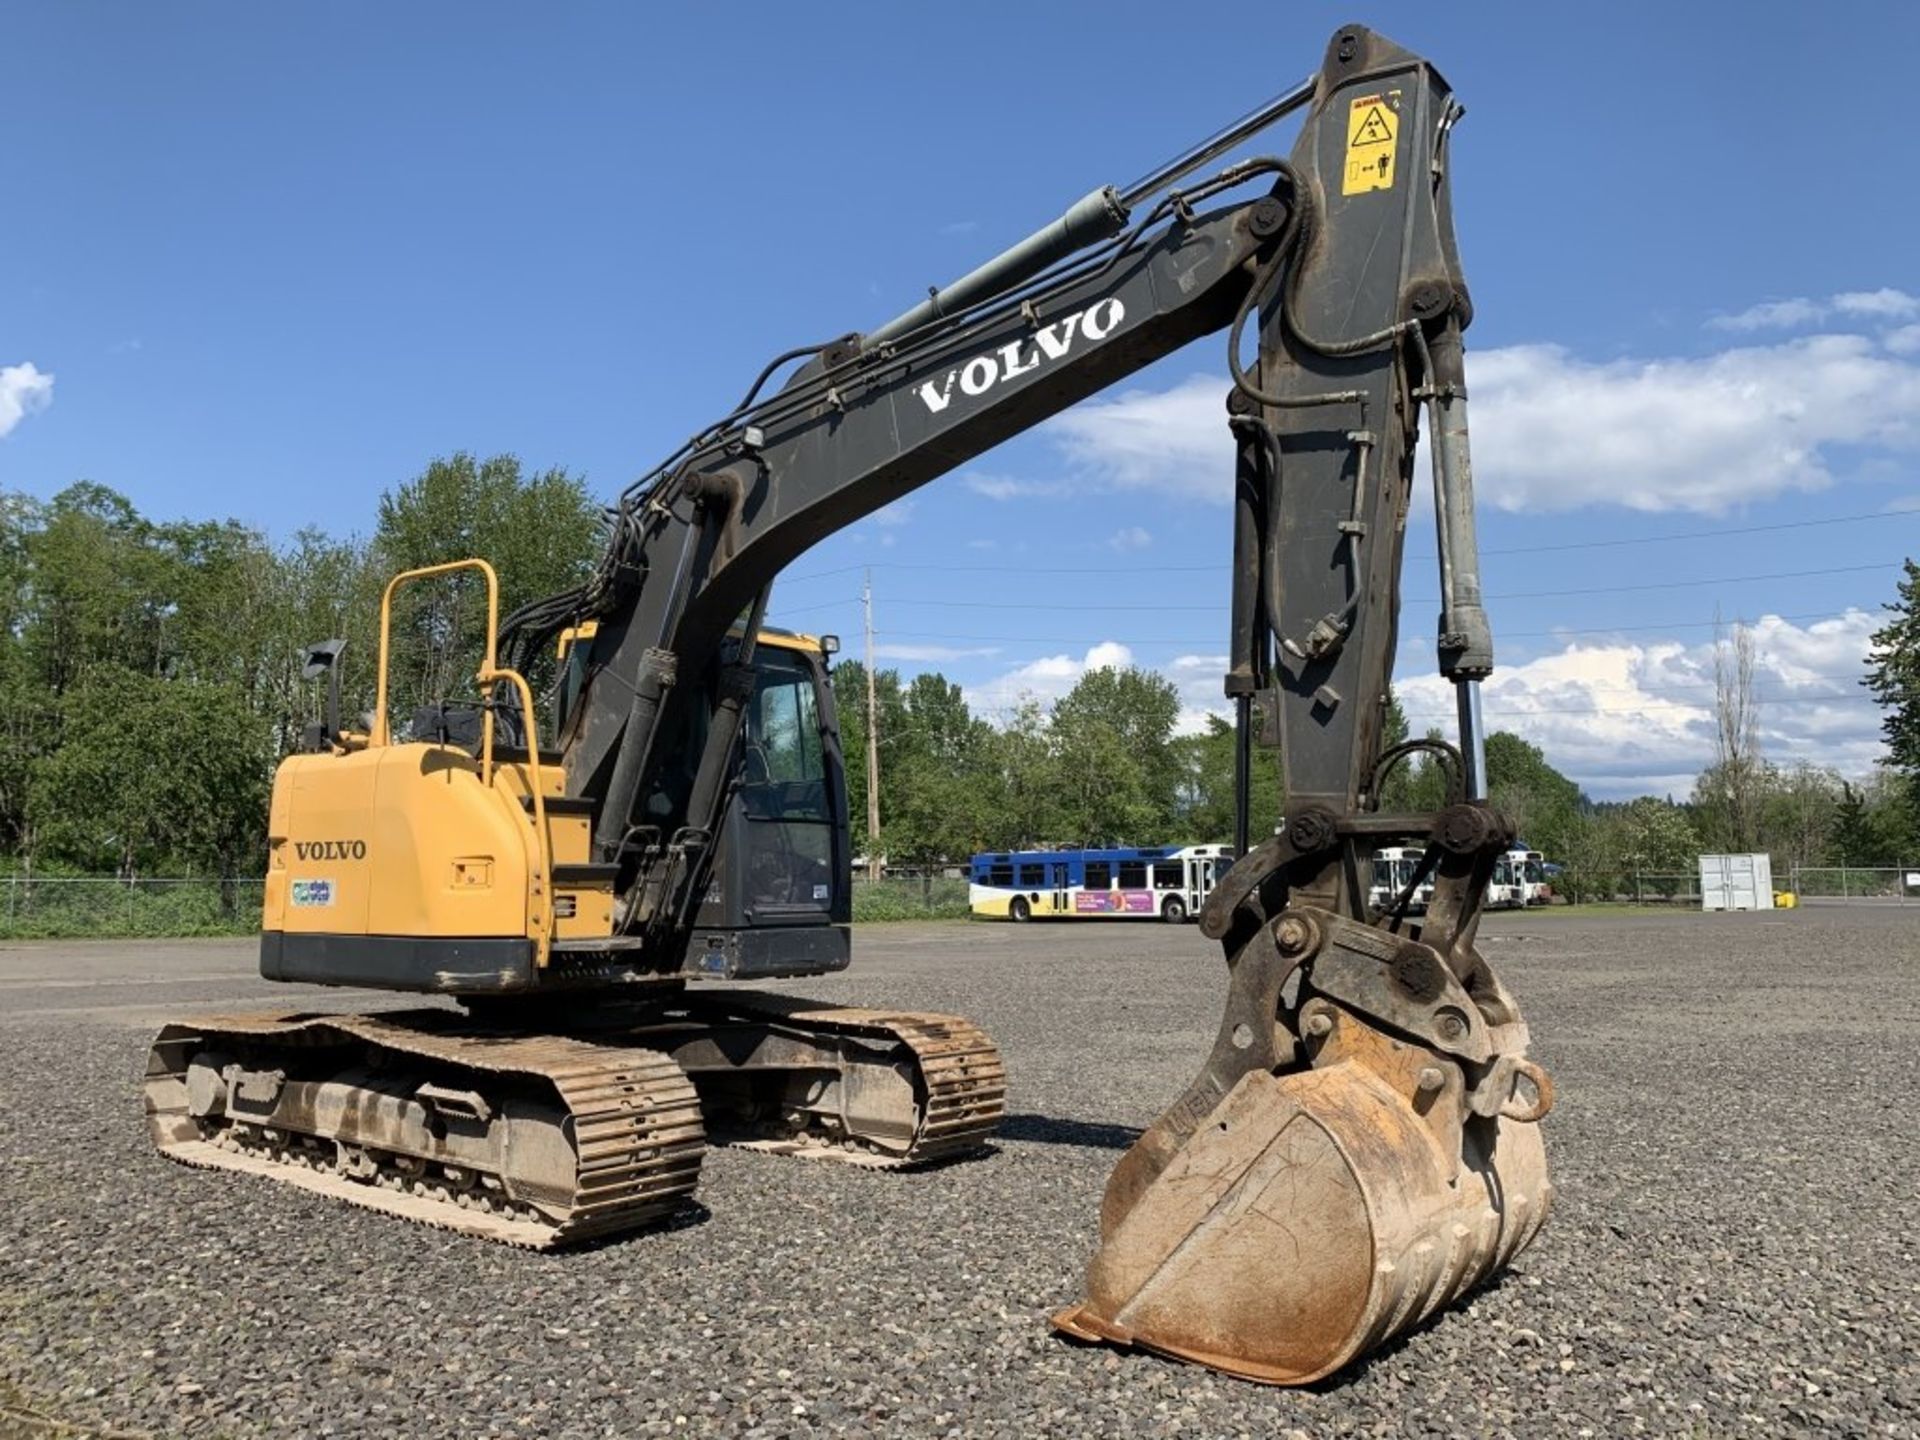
850 701
540 532
1799 808
1204 808
1894 832
1025 806
1542 802
939 784
1893 675
1654 843
1117 771
1852 839
98 590
150 773
1590 853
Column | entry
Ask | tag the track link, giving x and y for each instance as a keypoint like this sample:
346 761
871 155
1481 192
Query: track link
961 1082
628 1123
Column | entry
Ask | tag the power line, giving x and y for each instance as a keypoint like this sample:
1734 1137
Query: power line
1493 709
1407 636
1224 569
1702 534
1681 584
1044 606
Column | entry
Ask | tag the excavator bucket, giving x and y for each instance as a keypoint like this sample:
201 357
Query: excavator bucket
1309 1216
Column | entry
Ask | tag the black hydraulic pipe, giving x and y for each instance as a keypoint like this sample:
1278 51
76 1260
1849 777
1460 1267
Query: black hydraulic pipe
1242 773
1212 148
1248 545
658 670
657 673
723 733
1091 219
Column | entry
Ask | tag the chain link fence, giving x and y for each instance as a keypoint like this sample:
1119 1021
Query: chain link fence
113 907
1632 887
1887 884
1883 884
909 897
34 907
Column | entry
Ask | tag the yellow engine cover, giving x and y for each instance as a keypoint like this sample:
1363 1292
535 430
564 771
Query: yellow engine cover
398 840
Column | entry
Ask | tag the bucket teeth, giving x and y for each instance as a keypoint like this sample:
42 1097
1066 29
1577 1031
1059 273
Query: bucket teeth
1305 1220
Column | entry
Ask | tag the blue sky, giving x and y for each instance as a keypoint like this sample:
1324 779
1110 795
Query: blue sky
265 261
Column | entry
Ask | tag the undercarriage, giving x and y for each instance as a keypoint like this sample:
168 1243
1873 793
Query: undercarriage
546 1139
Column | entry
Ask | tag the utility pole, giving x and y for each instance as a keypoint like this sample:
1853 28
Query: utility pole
873 742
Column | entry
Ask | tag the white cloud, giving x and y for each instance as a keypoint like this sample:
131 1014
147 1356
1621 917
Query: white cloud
890 651
1006 487
1625 719
1168 440
1045 679
1885 303
24 389
895 515
1773 315
1132 537
1554 432
1903 341
1198 679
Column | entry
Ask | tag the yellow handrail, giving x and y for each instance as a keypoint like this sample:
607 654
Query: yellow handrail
488 673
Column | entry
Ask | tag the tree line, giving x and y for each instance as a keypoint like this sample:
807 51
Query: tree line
150 678
150 671
1104 765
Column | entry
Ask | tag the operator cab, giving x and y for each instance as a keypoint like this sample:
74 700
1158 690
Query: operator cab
779 894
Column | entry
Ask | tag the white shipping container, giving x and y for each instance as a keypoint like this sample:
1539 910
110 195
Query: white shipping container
1736 882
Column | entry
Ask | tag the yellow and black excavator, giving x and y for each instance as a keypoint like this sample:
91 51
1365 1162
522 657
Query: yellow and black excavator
1359 1148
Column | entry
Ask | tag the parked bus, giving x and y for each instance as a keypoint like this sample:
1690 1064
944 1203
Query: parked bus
1528 869
1168 882
1507 890
1393 867
1519 880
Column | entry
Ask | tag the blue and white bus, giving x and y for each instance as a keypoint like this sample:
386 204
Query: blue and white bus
1167 882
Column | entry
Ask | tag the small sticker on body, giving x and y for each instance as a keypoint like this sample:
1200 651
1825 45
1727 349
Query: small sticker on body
309 893
1373 125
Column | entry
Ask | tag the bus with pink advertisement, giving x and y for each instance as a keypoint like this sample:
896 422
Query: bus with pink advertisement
1167 882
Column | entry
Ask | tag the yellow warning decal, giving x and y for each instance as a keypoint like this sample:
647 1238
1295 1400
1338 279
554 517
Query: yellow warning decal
1372 127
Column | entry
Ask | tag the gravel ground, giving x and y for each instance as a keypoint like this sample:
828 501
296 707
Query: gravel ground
1732 1252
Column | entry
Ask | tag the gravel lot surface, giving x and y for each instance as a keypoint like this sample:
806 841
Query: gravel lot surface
1733 1251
